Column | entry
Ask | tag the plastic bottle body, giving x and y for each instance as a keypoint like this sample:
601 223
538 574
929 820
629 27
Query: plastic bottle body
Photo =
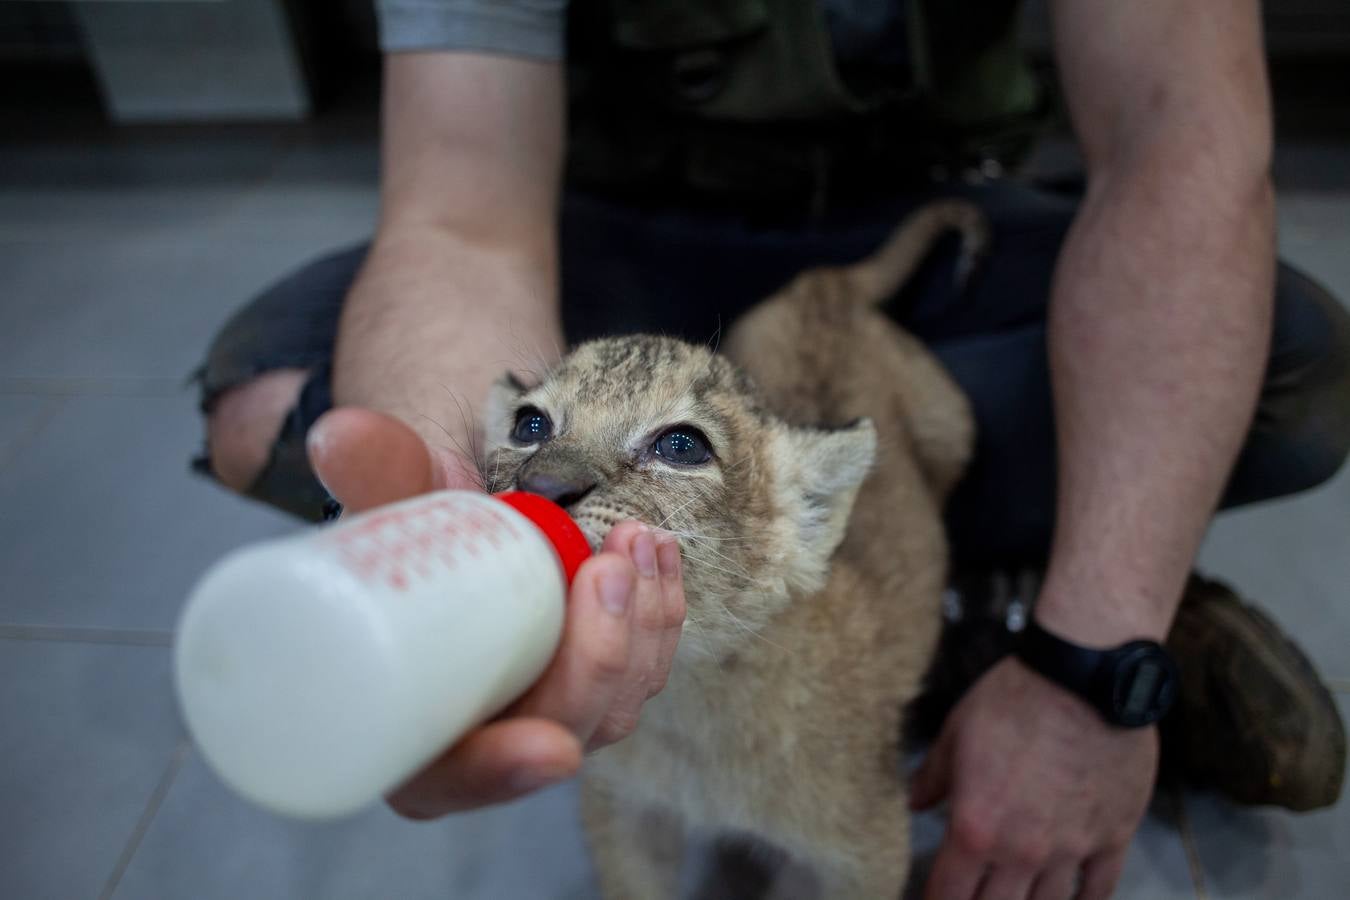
319 672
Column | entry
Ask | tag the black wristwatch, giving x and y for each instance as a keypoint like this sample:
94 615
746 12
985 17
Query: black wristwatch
1131 685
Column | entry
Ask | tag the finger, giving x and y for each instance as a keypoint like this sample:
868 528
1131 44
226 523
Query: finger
932 781
586 674
366 459
1007 883
956 874
672 606
493 764
1058 882
636 542
1101 874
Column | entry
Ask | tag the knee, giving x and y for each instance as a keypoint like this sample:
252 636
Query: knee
1325 437
1305 406
244 422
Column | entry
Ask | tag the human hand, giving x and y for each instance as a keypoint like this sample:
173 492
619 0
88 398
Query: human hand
1044 796
625 612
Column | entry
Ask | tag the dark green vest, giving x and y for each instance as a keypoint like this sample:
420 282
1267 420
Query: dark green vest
745 97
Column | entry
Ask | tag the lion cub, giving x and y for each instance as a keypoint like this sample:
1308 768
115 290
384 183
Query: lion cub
804 482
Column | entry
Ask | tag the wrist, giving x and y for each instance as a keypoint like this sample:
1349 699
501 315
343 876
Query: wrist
1075 713
1101 615
1131 685
430 324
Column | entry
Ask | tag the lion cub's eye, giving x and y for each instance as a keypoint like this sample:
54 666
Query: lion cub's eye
683 445
532 426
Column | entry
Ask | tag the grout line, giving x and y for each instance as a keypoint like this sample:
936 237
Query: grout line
141 637
71 232
40 420
180 755
113 386
1188 843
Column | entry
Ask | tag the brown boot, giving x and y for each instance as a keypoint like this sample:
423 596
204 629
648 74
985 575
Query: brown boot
1252 719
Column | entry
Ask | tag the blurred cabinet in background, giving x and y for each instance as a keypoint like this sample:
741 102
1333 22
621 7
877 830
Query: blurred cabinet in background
185 60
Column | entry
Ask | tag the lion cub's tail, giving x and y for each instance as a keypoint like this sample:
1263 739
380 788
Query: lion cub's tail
880 276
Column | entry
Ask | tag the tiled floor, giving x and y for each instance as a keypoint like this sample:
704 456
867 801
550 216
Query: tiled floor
117 260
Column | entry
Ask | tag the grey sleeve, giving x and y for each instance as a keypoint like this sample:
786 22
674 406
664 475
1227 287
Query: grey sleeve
528 28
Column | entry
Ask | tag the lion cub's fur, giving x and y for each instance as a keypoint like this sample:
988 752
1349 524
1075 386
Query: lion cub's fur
814 561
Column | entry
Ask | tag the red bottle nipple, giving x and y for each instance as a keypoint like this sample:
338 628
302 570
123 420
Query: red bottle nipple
550 518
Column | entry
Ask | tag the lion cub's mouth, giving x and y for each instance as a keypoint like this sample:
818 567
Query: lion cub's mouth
595 533
596 518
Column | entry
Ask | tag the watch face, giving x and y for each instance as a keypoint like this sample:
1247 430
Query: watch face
1145 685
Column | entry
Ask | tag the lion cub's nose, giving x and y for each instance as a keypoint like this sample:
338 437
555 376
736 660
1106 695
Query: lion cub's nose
563 490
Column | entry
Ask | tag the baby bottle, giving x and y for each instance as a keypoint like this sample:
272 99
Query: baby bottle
320 671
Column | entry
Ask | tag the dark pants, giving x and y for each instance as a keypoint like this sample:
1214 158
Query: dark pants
686 273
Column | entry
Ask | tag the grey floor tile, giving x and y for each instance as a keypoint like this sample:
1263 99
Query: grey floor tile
131 276
323 193
20 415
133 302
208 845
304 218
1290 557
129 306
205 843
88 731
101 524
1270 854
151 183
1156 868
101 211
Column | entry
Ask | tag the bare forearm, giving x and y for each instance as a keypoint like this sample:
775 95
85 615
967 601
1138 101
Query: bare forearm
1159 320
432 321
460 284
1158 339
1160 313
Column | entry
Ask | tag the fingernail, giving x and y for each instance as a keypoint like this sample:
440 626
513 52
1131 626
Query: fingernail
644 553
668 555
616 590
316 439
316 446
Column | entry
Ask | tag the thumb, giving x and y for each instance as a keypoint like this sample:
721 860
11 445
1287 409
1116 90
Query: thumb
931 783
366 459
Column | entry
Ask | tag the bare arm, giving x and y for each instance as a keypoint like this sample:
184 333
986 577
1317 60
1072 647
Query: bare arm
459 287
1159 323
460 283
1160 316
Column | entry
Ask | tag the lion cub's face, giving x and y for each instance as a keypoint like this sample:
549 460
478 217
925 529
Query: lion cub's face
671 434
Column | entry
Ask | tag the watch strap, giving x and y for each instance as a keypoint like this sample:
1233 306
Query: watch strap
1132 685
1080 670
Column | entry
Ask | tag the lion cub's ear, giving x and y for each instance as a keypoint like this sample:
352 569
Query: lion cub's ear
502 399
821 471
